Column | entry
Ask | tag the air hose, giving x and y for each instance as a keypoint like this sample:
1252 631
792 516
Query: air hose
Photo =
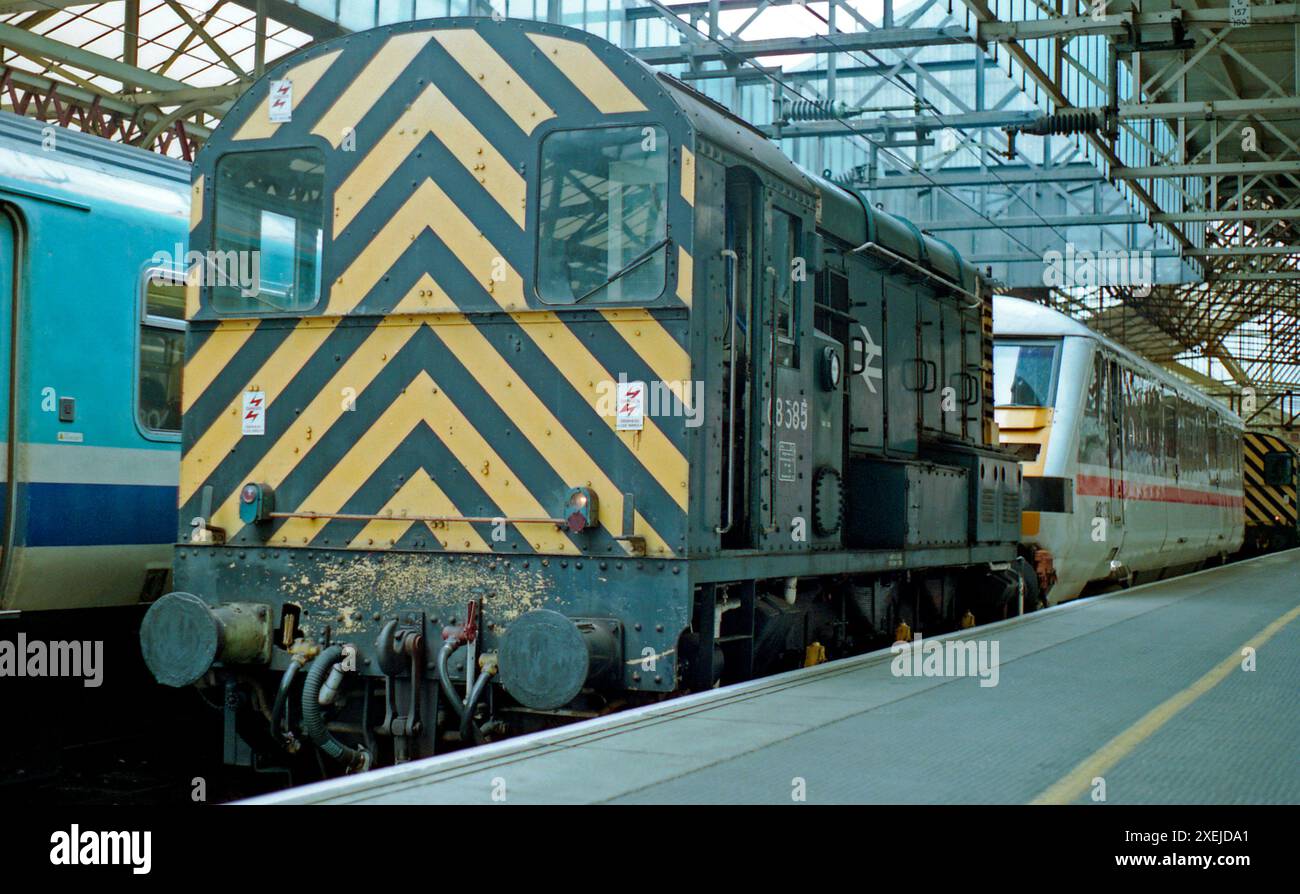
467 725
281 697
444 679
314 723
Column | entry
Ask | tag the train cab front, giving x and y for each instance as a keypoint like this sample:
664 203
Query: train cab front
1025 379
438 395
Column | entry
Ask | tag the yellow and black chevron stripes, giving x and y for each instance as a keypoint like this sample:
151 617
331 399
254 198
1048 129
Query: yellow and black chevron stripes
208 362
304 76
584 372
431 113
1266 505
424 401
352 104
557 446
420 491
498 80
592 77
656 348
221 436
566 455
428 208
474 402
318 417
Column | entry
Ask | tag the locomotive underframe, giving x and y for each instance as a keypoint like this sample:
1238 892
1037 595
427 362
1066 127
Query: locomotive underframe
677 626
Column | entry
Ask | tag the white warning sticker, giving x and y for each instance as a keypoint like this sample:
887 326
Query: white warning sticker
254 413
279 107
631 406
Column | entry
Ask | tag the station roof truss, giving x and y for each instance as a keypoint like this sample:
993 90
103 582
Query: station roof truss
1000 126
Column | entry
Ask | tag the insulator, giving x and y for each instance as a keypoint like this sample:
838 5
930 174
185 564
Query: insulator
815 110
1071 121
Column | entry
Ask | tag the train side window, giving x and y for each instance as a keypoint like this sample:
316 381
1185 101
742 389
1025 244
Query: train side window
602 218
268 231
1093 433
162 350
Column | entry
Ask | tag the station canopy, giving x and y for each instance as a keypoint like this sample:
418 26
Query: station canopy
1155 197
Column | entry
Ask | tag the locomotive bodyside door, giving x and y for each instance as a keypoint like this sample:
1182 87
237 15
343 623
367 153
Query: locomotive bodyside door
785 444
904 370
866 368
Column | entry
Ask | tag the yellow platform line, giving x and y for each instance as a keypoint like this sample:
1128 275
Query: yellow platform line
1071 786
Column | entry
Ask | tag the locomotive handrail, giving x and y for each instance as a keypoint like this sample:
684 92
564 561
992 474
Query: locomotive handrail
894 256
444 519
730 255
773 397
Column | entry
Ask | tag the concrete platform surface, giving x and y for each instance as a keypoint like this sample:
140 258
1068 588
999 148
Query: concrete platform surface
1180 691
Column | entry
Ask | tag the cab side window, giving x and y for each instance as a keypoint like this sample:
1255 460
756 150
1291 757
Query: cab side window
162 350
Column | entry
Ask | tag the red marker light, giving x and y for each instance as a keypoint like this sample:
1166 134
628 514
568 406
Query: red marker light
249 493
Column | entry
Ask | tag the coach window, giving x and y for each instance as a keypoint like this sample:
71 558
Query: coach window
269 216
162 347
603 216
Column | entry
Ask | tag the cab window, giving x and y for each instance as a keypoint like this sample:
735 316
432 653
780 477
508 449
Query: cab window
1024 375
268 232
162 349
603 216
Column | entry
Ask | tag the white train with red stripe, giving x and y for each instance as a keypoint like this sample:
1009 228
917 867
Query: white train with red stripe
1129 473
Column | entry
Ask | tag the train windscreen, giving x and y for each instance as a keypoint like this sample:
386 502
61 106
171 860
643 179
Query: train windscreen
1024 373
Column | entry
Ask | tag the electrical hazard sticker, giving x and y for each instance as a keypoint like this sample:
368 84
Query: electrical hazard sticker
254 413
630 415
279 105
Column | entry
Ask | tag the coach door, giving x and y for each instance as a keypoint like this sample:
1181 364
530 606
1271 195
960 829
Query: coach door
1115 452
8 295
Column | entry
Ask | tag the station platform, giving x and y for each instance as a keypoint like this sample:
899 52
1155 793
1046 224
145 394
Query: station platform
1139 695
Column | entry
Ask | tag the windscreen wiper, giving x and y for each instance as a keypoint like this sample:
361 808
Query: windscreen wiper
625 269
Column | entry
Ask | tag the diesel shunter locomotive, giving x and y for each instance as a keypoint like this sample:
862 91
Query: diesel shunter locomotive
562 389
